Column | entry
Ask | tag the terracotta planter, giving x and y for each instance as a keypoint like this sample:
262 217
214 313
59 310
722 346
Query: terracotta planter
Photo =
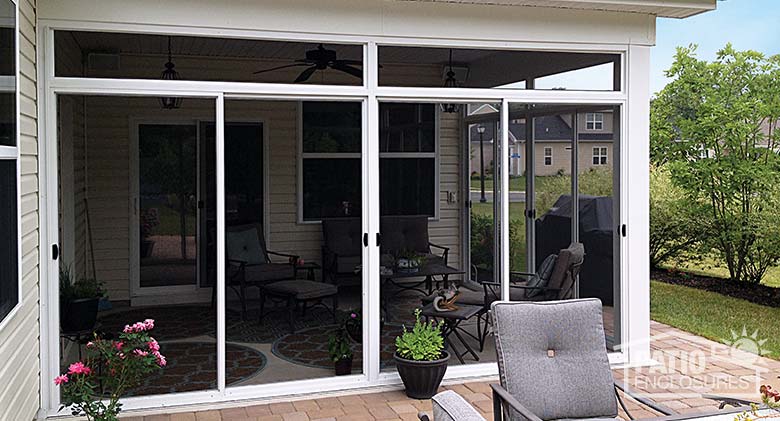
343 367
422 378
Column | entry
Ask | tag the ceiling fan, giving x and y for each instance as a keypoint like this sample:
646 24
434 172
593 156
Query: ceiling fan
320 59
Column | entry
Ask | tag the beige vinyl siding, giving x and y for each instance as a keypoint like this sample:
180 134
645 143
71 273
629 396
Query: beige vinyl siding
19 338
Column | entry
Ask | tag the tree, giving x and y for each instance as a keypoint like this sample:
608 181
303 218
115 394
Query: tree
710 125
674 232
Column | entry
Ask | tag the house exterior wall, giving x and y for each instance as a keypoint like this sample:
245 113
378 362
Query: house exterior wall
19 339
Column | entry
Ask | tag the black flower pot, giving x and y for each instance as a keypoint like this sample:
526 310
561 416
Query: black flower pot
79 315
344 367
422 378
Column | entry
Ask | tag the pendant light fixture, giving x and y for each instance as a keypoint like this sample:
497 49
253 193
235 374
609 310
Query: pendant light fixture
170 103
450 82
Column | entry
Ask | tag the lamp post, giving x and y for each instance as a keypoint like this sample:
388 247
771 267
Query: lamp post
481 131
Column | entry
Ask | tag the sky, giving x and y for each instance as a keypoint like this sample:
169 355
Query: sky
747 24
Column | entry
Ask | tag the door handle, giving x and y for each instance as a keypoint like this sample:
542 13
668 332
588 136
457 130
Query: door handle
378 239
365 239
55 252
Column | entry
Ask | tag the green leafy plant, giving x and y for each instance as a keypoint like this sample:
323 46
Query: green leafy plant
94 386
770 398
423 343
339 347
75 288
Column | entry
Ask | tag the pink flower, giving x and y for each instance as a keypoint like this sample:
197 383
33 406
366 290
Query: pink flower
121 355
90 344
153 345
140 353
161 361
60 379
353 315
119 345
79 368
149 324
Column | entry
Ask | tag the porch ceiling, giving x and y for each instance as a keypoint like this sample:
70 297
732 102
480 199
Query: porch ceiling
661 8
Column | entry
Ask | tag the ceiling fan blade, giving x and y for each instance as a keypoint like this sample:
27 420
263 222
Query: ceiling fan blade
355 62
306 74
354 71
280 67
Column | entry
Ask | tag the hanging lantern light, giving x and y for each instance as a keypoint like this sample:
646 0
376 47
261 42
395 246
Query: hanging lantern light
450 82
170 103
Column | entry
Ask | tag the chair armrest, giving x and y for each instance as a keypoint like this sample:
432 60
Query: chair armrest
450 406
724 401
446 250
501 397
620 386
291 257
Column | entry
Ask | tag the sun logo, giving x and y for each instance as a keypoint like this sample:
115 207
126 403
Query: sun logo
746 348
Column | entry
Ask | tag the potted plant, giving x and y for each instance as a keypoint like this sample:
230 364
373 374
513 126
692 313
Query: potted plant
94 386
354 326
421 359
409 262
79 299
150 219
340 352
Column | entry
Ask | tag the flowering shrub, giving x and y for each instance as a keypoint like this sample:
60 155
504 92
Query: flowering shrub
112 367
770 398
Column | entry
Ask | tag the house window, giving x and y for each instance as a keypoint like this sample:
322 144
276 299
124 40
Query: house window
594 121
331 165
599 155
548 156
9 156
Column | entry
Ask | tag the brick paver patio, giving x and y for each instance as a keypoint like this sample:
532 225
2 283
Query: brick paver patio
688 366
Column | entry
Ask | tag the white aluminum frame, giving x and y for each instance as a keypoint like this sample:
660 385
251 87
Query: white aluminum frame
14 153
370 94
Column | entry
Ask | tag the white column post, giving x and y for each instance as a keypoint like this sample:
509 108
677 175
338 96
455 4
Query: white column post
504 220
370 220
219 128
636 152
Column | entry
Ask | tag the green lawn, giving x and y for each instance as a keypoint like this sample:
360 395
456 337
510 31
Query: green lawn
713 315
170 223
709 267
516 183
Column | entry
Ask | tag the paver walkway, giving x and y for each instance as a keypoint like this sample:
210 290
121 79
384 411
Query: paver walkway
688 366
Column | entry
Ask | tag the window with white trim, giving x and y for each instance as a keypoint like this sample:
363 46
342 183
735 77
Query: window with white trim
9 161
548 156
599 155
594 121
331 166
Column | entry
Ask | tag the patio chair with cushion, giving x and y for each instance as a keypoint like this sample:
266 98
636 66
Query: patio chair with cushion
342 248
249 262
554 281
552 364
409 233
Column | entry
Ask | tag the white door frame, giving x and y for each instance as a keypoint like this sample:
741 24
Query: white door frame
370 94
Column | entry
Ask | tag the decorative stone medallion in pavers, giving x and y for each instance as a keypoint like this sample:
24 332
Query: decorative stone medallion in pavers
275 324
193 366
309 347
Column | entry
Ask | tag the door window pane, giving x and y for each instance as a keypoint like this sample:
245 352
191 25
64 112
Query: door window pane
7 74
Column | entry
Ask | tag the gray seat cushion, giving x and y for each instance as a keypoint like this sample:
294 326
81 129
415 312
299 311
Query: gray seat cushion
268 272
544 348
561 278
245 245
343 236
449 406
302 289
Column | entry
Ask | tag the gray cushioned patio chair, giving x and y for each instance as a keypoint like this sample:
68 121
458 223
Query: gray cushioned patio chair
552 363
250 264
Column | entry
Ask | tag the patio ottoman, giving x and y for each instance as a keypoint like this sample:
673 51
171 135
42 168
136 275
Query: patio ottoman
302 292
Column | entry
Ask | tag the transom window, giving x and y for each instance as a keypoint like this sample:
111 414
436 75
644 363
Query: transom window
594 121
331 184
599 155
548 156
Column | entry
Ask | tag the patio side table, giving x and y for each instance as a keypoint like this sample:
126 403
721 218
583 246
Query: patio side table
309 267
452 321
